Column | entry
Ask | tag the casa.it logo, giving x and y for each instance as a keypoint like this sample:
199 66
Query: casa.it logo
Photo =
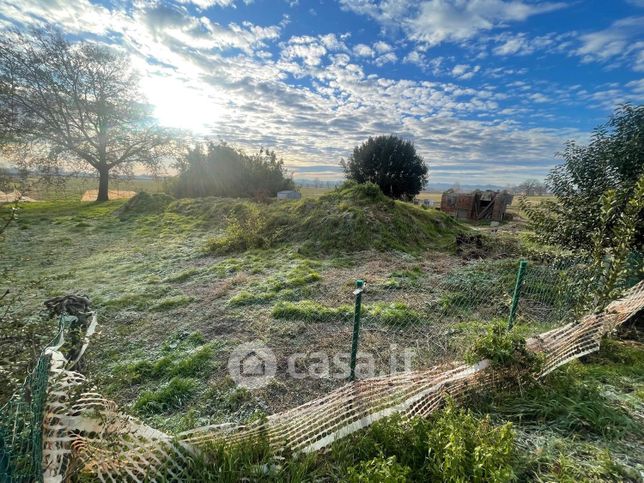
252 365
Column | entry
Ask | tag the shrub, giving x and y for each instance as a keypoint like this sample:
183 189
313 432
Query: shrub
378 470
613 160
220 170
389 162
453 445
245 230
504 348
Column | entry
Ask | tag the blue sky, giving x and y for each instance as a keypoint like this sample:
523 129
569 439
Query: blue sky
488 90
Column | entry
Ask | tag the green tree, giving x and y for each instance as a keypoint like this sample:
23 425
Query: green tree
75 106
391 163
613 160
221 170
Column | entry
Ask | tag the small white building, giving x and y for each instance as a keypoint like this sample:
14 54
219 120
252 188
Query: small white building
289 195
429 203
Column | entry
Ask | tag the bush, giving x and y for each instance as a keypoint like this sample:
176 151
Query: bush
389 162
378 470
220 170
453 445
613 160
504 348
245 229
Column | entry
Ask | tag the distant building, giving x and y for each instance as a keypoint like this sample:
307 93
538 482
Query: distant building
289 195
429 203
478 205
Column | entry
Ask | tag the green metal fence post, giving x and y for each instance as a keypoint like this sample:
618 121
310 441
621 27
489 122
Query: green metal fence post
517 293
356 327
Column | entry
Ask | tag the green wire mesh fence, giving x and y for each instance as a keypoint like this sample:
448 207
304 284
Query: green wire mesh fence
21 428
413 317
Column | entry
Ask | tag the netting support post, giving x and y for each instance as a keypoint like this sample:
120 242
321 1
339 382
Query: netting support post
517 293
356 327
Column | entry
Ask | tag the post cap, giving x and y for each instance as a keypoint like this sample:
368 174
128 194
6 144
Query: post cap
359 283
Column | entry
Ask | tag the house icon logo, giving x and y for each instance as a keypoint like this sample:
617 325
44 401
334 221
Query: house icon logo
252 365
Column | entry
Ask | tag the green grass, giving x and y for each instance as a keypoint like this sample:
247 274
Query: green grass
171 396
393 313
169 312
452 446
350 218
457 445
309 310
579 396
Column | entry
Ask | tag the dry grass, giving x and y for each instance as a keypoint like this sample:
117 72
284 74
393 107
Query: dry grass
90 195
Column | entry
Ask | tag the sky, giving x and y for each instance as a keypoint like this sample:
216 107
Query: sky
488 90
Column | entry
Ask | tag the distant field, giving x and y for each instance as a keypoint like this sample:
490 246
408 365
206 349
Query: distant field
74 188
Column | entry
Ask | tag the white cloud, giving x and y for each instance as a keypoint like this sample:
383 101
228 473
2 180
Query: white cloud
389 57
464 71
204 4
614 41
363 50
306 48
436 21
511 46
223 80
382 47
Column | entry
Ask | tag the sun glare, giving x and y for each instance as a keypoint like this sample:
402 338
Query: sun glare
179 105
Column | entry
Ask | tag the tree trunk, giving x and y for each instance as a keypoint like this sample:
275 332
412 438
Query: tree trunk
103 179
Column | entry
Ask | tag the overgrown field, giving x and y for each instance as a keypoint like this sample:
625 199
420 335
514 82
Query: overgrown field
178 284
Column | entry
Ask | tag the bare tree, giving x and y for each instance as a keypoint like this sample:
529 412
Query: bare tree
532 187
74 105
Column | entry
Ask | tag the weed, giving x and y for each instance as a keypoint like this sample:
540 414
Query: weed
574 398
182 276
378 470
504 348
404 278
310 310
192 364
177 392
245 230
394 314
452 445
174 302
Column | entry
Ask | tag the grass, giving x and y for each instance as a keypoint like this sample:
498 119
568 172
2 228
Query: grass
453 445
350 218
170 311
456 445
577 398
311 311
171 396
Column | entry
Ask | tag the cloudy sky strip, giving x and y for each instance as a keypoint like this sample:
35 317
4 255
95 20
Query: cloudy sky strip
487 89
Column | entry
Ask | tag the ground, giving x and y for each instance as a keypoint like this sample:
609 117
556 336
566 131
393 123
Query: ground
174 297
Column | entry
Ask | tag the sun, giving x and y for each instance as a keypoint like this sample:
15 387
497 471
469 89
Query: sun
180 105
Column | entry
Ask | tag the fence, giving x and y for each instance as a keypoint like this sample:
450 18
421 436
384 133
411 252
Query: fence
84 433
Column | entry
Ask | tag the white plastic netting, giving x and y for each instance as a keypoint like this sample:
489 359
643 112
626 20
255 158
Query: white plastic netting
85 433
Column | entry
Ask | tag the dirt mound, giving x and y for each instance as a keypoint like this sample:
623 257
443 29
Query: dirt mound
145 203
